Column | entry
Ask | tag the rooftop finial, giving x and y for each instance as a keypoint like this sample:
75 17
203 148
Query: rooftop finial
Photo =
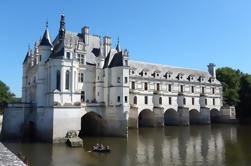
46 24
118 46
62 26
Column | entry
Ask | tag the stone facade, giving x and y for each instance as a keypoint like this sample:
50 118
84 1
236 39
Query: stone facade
79 82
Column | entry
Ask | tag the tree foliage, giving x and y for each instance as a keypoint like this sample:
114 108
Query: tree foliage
236 90
6 96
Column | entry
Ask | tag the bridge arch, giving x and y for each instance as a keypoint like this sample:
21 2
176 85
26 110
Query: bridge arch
146 118
215 115
194 116
171 117
91 124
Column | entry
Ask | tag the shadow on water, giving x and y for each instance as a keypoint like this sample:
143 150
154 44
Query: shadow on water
202 145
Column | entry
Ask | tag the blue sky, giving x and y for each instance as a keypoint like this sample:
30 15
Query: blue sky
186 33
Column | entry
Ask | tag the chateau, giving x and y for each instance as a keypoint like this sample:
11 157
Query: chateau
79 82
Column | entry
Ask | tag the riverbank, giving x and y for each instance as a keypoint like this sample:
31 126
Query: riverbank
9 158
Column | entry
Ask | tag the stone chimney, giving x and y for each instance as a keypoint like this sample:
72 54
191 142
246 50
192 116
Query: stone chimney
107 45
85 33
212 69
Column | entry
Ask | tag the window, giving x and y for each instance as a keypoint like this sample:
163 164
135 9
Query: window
80 77
192 101
181 88
135 100
160 100
118 79
146 100
126 62
158 87
145 73
82 96
80 58
192 89
58 80
118 99
184 101
203 90
213 90
68 55
213 101
98 77
205 101
126 80
170 100
145 86
67 80
169 87
132 72
125 99
133 85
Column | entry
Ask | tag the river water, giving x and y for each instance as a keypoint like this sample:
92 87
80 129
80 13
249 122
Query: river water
204 145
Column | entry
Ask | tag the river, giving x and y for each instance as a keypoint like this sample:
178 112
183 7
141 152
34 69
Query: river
205 145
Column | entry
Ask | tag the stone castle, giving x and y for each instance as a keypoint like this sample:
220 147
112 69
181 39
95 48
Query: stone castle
79 82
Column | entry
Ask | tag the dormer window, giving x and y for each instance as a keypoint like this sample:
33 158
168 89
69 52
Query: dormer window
191 77
144 72
132 71
68 55
156 73
125 62
211 79
201 78
168 75
180 76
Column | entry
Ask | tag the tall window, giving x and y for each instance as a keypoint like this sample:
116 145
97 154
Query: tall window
58 80
126 80
169 87
192 89
203 90
68 55
192 101
125 99
181 88
67 80
146 100
82 96
160 100
135 100
133 85
158 87
170 100
145 86
80 77
213 90
118 79
205 101
213 101
118 99
184 101
80 58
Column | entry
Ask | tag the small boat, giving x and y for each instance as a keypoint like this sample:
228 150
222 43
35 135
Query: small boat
101 148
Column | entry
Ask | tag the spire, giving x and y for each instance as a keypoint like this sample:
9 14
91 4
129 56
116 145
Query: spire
46 40
62 26
118 46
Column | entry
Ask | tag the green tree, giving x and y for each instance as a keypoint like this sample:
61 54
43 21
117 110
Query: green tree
230 80
245 96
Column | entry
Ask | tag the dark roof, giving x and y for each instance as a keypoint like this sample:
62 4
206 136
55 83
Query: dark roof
96 51
107 60
117 60
46 41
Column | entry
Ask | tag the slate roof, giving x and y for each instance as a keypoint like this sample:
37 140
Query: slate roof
46 40
139 66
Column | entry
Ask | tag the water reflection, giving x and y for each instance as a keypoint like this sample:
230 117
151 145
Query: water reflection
178 146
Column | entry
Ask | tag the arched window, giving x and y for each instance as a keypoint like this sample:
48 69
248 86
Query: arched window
160 100
67 80
58 80
135 100
146 100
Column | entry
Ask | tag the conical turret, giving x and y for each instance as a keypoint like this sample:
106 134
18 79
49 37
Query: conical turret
46 40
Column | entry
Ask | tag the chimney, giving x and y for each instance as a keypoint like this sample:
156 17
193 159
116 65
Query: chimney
211 69
107 45
85 33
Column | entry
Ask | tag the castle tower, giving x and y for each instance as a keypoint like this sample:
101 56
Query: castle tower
100 76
